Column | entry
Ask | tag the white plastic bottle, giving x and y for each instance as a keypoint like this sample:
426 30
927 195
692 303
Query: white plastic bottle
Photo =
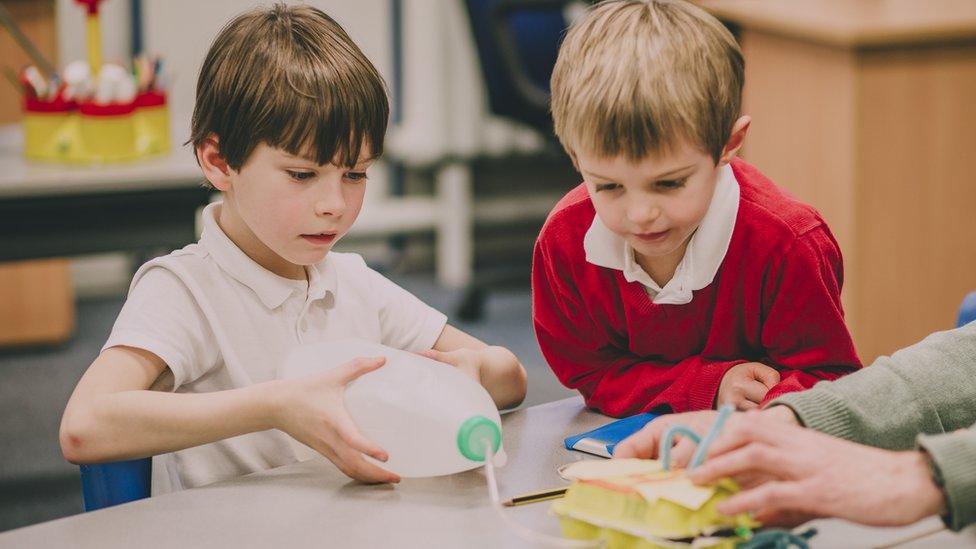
429 417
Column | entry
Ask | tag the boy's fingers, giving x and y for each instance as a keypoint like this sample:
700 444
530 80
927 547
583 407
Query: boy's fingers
359 469
353 438
350 461
349 455
754 391
766 375
356 368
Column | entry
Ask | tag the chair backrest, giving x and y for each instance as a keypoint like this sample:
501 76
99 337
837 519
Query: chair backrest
967 312
108 484
518 41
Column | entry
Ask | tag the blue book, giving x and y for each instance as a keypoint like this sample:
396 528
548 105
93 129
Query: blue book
602 440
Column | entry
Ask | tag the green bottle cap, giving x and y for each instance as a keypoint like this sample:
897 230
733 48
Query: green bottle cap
474 433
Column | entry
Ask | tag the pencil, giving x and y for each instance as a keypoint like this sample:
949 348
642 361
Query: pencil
7 21
533 497
14 80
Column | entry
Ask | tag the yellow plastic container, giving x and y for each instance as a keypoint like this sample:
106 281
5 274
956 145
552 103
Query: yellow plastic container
108 132
151 124
50 130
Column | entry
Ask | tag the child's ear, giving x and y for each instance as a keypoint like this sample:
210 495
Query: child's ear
736 138
572 156
214 167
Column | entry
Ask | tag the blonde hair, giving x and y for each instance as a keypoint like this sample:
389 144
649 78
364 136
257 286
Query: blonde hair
635 77
292 78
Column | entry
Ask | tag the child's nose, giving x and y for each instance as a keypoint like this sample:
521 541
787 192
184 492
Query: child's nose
643 213
331 203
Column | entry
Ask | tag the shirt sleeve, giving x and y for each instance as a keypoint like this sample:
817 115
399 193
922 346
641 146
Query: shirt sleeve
804 334
406 322
611 380
161 316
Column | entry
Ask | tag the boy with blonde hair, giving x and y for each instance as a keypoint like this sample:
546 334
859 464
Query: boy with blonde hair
289 116
676 277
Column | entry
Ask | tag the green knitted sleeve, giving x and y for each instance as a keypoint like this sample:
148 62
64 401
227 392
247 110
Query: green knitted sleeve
927 388
954 457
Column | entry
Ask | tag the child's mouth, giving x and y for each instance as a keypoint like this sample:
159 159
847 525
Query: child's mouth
653 237
320 239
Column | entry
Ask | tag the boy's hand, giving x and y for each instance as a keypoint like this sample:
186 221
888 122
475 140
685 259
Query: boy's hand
312 410
745 385
468 361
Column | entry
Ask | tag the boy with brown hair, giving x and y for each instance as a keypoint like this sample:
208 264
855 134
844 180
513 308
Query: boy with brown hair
288 118
676 277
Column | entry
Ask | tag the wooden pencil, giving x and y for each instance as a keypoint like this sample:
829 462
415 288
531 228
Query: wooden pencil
533 497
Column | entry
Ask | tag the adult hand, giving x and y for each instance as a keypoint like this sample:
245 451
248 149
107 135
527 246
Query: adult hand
745 385
791 474
312 410
646 443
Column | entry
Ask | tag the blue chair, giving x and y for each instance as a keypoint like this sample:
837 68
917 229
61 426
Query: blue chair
107 484
967 312
517 43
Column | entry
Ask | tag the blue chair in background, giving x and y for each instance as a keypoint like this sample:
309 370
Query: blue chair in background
107 484
517 43
967 313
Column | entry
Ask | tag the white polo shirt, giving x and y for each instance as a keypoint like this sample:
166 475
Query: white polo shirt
702 258
221 321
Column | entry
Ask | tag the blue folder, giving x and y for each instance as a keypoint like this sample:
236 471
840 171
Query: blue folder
602 440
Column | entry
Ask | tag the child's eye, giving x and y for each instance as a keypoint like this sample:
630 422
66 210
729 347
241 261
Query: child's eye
607 187
300 176
357 176
672 184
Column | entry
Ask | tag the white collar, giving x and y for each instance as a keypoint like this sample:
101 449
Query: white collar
702 258
270 288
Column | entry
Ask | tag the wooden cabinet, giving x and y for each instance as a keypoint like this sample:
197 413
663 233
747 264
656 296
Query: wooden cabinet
36 302
867 110
36 297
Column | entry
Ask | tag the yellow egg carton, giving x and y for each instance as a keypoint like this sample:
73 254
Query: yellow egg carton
635 504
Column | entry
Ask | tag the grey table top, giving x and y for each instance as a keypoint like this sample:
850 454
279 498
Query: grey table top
311 504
